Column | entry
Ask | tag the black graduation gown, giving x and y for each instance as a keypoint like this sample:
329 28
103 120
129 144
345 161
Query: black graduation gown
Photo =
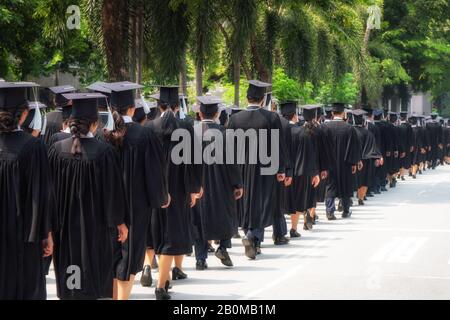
344 152
418 144
54 125
26 209
215 217
144 173
447 141
256 208
91 203
394 147
434 130
279 198
308 158
382 142
369 153
405 130
172 227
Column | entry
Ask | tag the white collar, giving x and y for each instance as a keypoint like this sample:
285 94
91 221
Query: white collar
208 121
127 119
255 106
66 130
292 122
162 114
337 119
89 135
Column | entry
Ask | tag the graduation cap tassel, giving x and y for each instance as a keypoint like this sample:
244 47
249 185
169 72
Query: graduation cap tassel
36 123
145 105
183 109
110 124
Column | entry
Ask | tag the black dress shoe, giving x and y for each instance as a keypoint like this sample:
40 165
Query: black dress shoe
370 195
403 178
177 274
294 234
365 198
201 265
383 188
237 235
360 202
309 222
420 171
146 278
347 214
224 257
161 294
331 216
377 192
249 245
280 241
410 174
414 176
258 250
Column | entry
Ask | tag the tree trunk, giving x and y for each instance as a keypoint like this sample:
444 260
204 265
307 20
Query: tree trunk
262 70
183 75
199 79
237 78
364 53
113 39
132 48
140 41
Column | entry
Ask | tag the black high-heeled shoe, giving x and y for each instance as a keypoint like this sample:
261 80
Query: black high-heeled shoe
146 278
161 294
177 274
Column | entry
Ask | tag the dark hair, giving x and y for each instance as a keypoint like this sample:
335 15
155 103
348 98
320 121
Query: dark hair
79 127
165 106
9 119
115 137
288 116
253 100
209 115
311 125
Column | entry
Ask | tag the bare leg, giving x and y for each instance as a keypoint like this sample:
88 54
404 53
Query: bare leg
124 288
149 256
294 220
165 263
363 192
115 294
179 262
312 212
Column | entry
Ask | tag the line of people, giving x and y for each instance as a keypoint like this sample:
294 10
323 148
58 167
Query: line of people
93 186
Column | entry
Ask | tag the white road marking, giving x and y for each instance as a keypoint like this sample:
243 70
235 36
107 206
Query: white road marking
399 250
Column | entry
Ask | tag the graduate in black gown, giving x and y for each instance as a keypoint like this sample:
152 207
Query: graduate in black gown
144 168
57 119
395 147
215 217
26 205
256 208
279 226
308 158
374 188
446 140
419 144
171 227
370 155
406 139
91 206
345 155
434 130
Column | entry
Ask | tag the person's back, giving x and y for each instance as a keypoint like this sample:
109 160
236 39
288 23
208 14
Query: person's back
25 214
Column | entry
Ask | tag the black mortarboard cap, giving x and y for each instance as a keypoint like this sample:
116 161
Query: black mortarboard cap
84 105
60 101
100 87
209 104
288 107
14 94
169 95
338 107
122 93
257 89
311 111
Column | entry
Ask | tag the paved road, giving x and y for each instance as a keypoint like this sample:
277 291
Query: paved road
395 247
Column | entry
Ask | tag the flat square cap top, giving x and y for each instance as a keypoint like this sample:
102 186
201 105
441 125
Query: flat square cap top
99 87
358 112
14 94
62 89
